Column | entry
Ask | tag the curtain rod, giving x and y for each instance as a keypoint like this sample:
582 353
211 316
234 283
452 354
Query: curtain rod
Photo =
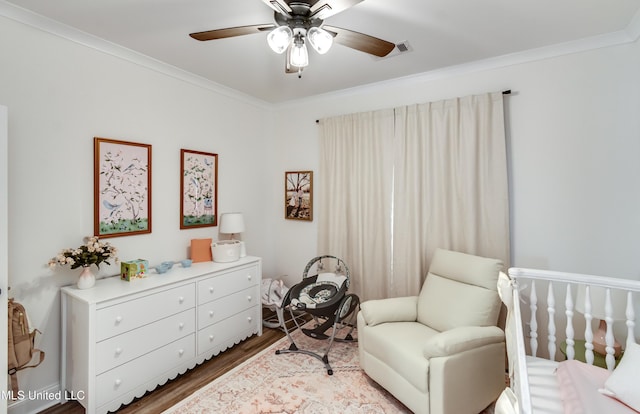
507 92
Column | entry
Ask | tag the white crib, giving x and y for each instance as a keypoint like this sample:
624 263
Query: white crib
543 328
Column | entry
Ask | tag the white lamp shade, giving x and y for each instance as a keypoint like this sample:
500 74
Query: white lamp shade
598 301
279 39
231 223
320 40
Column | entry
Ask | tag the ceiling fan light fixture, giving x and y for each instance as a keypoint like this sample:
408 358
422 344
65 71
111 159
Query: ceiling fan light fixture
299 21
320 40
298 55
279 39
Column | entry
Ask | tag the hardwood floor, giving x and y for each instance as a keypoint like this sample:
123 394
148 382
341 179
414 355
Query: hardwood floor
184 385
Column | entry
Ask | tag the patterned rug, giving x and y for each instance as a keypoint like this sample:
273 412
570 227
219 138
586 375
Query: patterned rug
294 384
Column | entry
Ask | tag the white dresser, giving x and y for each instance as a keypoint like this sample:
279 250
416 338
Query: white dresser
121 339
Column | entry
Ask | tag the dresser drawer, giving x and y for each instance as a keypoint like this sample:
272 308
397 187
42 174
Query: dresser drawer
230 328
220 309
123 317
218 286
125 378
123 348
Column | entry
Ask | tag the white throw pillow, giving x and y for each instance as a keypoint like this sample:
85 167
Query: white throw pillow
623 382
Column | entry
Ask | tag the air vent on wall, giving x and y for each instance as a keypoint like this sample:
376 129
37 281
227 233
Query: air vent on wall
403 46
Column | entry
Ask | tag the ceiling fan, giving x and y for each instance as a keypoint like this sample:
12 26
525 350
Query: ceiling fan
300 21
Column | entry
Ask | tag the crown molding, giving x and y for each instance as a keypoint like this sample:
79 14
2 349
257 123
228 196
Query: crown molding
625 36
27 17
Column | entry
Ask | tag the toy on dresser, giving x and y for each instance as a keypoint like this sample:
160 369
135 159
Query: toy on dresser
134 269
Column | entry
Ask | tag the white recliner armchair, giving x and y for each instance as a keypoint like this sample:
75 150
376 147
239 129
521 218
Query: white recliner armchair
440 352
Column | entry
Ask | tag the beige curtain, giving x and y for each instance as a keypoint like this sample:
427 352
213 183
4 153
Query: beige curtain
397 184
354 197
450 184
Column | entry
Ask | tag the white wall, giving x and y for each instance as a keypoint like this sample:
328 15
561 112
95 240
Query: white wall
4 245
61 95
574 141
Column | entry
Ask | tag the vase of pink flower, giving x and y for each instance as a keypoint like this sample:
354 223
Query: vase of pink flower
93 252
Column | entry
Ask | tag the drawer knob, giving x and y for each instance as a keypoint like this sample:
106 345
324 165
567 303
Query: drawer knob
181 352
249 298
118 351
118 382
211 289
248 277
210 338
118 319
181 299
249 319
211 314
181 325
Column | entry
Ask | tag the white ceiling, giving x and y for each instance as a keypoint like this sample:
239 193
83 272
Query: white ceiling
441 33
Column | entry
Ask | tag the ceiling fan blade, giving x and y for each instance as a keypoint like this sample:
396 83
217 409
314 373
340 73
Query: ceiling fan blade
322 9
231 32
359 41
280 6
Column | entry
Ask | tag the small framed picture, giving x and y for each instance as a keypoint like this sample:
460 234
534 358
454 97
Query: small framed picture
298 195
122 188
198 189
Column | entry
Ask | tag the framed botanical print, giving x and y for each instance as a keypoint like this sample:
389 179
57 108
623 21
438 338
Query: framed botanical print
198 189
298 195
122 188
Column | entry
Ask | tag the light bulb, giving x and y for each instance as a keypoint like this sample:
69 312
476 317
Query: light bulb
279 39
320 40
299 56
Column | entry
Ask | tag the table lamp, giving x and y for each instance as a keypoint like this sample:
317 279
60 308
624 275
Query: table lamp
598 311
233 223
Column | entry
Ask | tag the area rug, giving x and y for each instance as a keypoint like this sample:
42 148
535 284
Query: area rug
294 384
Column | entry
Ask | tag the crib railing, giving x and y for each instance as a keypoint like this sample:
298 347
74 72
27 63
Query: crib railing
567 288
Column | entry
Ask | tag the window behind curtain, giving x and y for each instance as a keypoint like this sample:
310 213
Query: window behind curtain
398 183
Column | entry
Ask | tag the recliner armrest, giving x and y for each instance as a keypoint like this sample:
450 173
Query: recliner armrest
402 309
462 339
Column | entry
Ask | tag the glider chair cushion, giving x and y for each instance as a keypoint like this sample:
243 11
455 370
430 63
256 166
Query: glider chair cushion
440 352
